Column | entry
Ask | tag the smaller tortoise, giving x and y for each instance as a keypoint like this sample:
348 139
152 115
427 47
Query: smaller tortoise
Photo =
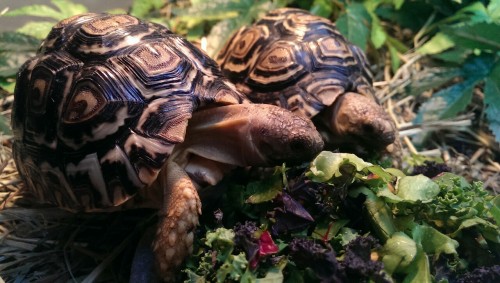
301 62
111 106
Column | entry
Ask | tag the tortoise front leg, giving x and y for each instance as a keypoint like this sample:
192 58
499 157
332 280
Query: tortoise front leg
178 219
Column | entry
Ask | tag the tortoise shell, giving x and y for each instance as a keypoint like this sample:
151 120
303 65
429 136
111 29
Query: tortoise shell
99 109
295 60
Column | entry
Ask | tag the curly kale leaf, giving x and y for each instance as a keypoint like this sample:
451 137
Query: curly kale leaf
460 205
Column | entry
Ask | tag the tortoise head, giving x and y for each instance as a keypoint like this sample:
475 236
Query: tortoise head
252 135
282 136
359 118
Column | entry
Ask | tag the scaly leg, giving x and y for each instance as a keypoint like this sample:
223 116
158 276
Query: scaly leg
178 219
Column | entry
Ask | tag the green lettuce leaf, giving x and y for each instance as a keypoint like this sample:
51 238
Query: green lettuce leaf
328 165
398 252
419 270
433 241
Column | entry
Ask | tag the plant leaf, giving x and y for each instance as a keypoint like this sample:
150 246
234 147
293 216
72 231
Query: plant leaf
213 10
5 125
379 215
274 275
419 270
322 8
234 268
399 252
328 165
10 62
141 8
328 230
491 101
437 44
37 11
495 209
417 188
378 35
38 30
69 8
431 78
354 24
494 10
433 241
18 42
398 4
266 190
395 61
484 36
476 13
447 102
7 84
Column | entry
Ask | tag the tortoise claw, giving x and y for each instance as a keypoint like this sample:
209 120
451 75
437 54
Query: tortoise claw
178 220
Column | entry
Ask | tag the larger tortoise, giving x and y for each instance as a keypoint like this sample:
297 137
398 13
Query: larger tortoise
112 105
301 62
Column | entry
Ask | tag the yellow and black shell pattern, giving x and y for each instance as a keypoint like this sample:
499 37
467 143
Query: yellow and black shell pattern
295 60
99 109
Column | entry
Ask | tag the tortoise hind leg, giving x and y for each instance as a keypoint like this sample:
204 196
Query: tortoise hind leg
178 219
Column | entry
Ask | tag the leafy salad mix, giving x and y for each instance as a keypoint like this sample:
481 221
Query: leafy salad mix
342 219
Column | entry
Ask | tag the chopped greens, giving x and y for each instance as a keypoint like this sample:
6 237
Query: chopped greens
342 219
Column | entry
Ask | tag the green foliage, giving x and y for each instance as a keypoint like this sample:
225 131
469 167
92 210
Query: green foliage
4 126
40 29
420 217
355 24
398 252
418 222
223 17
491 100
149 10
468 38
15 49
143 8
264 191
411 189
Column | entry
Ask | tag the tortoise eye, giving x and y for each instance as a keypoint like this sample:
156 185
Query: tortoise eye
85 103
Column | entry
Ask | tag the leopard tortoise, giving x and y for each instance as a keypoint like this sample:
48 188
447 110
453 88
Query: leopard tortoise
301 62
111 106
